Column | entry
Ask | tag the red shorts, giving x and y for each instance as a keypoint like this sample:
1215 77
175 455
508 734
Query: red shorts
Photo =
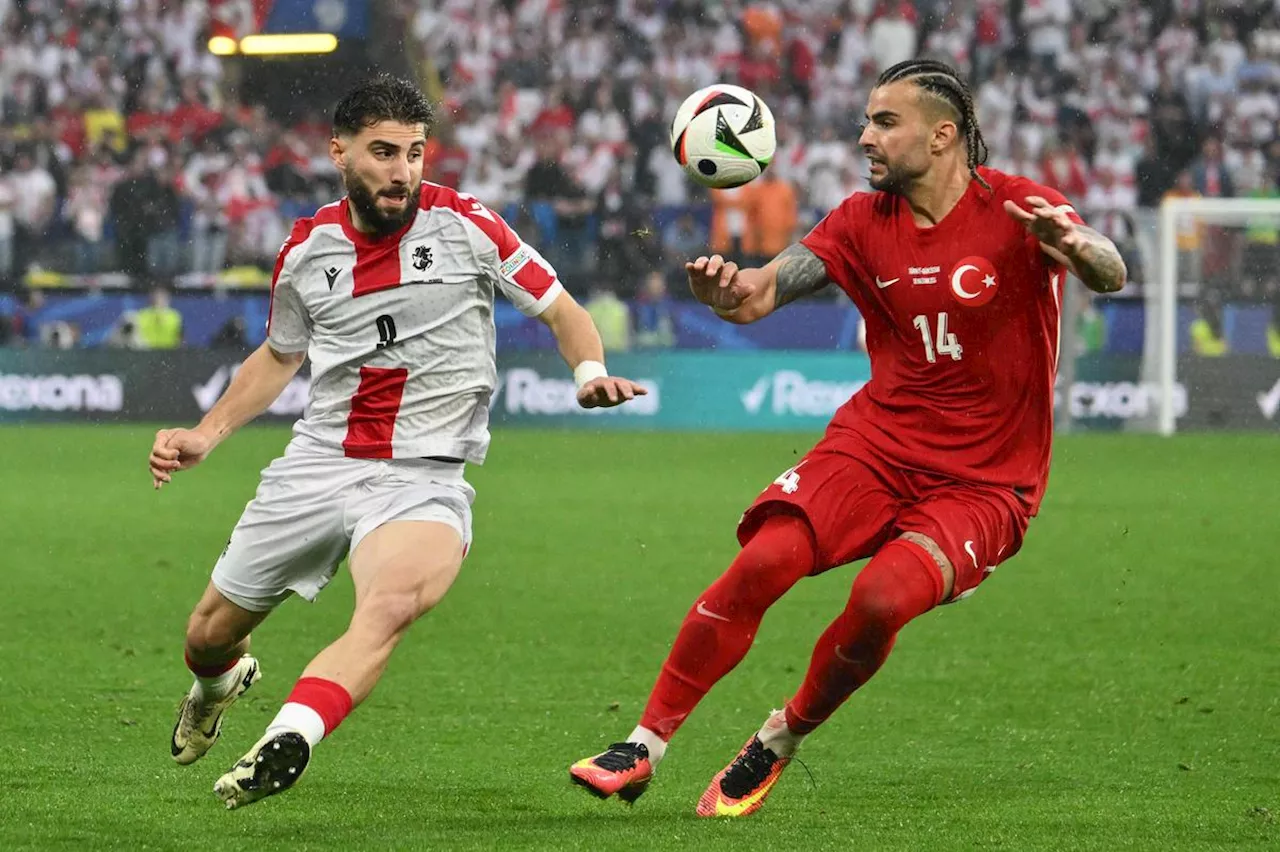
856 502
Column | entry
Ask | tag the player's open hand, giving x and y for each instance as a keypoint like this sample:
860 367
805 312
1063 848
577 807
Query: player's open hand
1048 224
716 282
608 391
174 450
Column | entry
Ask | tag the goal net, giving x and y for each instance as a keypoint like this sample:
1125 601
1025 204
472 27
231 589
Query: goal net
1212 316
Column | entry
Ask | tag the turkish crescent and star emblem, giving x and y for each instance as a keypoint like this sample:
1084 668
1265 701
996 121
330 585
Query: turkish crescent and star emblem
973 281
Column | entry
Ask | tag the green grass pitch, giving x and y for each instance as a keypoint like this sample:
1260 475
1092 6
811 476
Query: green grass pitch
1116 686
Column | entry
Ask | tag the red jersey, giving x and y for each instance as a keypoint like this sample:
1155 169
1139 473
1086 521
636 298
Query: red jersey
962 329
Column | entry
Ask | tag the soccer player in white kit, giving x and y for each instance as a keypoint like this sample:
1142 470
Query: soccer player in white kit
390 293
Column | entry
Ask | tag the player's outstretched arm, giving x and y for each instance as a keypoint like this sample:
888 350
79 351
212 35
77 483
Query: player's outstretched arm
261 378
1089 255
743 296
580 346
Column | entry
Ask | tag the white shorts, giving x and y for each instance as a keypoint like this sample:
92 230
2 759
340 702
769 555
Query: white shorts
312 510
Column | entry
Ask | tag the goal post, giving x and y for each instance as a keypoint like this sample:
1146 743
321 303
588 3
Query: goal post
1175 214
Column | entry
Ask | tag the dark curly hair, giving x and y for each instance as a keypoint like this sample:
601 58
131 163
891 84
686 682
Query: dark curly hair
382 98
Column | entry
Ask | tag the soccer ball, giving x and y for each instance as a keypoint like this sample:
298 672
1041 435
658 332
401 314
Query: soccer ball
723 136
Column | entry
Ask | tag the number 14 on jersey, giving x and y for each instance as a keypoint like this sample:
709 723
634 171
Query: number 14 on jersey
947 344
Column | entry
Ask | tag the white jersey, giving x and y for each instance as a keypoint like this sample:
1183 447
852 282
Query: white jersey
399 329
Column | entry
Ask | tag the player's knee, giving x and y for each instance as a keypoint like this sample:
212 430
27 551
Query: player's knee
389 615
874 599
210 637
894 587
784 545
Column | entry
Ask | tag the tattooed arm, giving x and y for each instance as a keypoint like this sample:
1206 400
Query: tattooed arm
743 296
1089 255
1094 259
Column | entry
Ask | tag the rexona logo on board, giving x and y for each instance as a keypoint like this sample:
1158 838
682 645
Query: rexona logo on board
291 402
61 393
1120 400
522 390
790 392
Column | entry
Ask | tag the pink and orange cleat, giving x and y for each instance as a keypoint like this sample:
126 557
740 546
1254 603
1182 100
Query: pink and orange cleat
624 769
741 787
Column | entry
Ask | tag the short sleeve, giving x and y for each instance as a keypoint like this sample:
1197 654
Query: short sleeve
522 274
288 325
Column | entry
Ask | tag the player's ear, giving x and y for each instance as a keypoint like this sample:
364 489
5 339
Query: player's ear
944 133
337 152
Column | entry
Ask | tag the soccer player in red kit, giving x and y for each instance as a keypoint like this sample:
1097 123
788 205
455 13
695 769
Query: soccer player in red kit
935 467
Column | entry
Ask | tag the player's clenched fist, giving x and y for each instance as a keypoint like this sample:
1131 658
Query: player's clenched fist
176 449
716 282
608 391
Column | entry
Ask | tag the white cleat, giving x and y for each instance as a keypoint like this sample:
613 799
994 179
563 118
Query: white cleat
273 765
199 725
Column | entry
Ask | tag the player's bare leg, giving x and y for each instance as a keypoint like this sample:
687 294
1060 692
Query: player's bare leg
216 652
715 636
400 571
906 578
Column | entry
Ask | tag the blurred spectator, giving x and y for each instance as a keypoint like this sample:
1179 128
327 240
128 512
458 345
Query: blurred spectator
231 335
141 208
444 161
164 251
159 325
1273 328
1153 174
654 314
1189 230
618 249
684 239
35 197
8 202
25 324
892 35
1210 173
611 316
1207 339
87 210
773 215
731 234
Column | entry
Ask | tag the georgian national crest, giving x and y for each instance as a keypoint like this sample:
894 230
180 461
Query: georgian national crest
422 258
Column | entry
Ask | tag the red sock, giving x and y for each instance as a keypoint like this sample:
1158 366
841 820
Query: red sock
718 631
329 700
209 670
901 582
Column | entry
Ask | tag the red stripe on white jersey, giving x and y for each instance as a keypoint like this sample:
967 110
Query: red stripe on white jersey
498 231
372 421
533 277
377 267
516 262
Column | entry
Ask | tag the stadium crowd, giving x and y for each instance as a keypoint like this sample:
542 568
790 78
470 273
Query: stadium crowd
120 148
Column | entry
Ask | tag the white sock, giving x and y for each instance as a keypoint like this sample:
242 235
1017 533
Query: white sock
657 745
776 736
301 719
208 689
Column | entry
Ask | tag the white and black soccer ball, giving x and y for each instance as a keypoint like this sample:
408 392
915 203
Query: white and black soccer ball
723 136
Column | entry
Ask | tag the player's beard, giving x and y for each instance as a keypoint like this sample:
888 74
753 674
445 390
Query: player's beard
365 202
897 178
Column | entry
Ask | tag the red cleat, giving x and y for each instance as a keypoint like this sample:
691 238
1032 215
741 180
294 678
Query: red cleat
623 769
